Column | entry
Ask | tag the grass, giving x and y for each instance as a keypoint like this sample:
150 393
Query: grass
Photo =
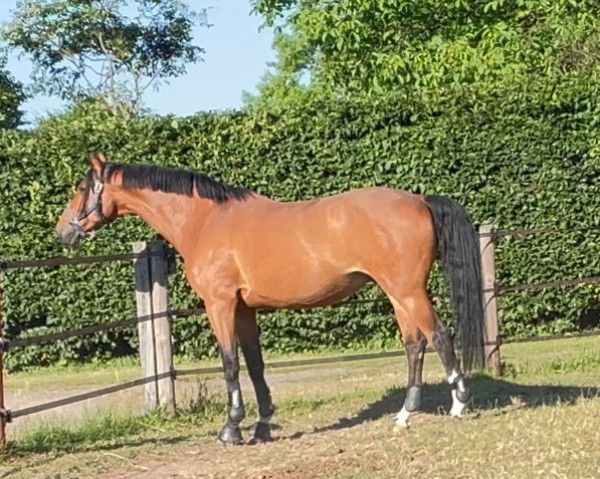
335 421
205 410
103 432
585 361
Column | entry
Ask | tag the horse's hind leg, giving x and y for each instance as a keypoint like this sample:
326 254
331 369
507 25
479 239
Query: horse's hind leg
421 313
248 335
414 345
442 342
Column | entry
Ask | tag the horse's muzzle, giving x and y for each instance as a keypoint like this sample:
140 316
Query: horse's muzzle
70 236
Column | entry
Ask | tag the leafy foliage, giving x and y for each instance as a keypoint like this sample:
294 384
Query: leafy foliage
11 98
522 156
425 48
83 49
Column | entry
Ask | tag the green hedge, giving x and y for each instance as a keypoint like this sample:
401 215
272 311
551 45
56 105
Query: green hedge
526 156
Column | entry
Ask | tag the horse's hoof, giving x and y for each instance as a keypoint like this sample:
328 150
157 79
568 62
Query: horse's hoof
260 432
231 435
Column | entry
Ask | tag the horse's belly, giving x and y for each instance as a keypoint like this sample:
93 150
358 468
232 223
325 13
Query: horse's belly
303 294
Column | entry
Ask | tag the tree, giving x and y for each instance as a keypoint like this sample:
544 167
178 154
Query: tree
271 10
11 97
112 50
426 47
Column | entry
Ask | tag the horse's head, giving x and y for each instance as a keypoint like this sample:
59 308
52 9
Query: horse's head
90 208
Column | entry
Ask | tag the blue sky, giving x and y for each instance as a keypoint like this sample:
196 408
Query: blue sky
236 58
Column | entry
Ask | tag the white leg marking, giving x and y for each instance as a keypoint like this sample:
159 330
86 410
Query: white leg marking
402 418
457 406
236 398
453 376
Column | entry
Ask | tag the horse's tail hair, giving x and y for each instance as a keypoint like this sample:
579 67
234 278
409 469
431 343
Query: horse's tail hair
459 252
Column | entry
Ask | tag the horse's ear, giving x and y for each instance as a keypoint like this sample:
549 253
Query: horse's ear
97 162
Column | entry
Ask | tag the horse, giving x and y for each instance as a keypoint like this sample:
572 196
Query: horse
243 251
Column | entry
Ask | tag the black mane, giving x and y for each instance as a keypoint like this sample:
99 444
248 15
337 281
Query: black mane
170 180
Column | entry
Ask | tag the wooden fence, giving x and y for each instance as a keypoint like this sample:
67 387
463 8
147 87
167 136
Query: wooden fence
153 263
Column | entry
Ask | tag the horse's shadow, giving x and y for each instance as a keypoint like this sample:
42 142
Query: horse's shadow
488 394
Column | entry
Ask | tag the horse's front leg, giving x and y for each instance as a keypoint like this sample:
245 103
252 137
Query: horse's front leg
248 335
221 314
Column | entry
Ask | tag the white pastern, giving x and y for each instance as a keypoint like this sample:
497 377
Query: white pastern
457 406
402 418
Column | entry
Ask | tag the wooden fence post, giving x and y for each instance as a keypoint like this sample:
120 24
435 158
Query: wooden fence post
154 327
488 273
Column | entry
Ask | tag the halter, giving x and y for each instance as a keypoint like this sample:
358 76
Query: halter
96 207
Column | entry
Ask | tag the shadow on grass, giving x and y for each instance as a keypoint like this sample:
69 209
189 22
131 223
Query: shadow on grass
488 394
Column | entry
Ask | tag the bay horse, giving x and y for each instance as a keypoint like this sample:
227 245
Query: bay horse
243 251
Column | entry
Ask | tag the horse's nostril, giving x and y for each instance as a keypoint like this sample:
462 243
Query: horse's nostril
67 236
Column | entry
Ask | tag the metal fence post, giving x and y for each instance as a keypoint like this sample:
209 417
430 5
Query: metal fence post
488 273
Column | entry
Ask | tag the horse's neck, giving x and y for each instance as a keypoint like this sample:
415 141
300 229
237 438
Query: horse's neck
174 217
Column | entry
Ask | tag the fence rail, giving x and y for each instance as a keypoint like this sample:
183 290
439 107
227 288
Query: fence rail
176 314
154 318
179 373
503 290
74 261
536 231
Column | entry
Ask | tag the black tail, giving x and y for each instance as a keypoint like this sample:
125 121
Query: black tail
459 252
